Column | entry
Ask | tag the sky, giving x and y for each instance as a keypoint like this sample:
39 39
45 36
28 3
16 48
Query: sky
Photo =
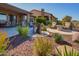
59 10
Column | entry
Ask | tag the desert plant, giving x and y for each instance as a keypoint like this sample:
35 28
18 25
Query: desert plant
42 46
43 27
4 42
58 37
48 22
40 20
66 19
23 31
67 52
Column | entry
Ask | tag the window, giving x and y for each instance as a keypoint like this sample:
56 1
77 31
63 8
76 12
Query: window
14 17
3 16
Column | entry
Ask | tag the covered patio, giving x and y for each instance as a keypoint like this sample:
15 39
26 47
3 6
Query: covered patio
12 16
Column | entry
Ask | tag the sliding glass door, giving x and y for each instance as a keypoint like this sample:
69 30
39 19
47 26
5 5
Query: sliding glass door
12 20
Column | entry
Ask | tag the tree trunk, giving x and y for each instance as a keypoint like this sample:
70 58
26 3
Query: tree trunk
38 29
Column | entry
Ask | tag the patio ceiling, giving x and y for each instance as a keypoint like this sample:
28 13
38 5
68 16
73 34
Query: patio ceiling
13 9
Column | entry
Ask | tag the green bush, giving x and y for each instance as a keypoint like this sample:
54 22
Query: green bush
23 31
58 37
66 19
40 20
42 46
49 22
66 52
43 27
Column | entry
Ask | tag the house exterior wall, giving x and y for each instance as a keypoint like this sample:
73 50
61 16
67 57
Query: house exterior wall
37 13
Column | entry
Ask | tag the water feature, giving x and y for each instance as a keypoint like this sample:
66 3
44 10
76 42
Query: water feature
13 31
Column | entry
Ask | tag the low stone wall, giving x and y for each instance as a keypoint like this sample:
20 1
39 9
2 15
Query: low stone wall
75 36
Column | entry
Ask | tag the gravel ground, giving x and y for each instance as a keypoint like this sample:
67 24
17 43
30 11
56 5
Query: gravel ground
25 48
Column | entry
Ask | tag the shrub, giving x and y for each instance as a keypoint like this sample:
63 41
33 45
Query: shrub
49 22
58 37
67 51
42 46
23 31
43 27
40 20
4 42
66 19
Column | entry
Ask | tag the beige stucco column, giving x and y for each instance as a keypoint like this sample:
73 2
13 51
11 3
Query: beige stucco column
8 22
49 17
19 18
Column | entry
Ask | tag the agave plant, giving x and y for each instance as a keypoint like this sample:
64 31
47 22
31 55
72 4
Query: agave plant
66 52
43 27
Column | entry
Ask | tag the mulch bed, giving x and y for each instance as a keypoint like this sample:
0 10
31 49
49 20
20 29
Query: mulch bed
23 47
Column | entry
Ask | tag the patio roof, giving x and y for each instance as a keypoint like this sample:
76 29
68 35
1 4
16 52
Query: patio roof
44 12
6 6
